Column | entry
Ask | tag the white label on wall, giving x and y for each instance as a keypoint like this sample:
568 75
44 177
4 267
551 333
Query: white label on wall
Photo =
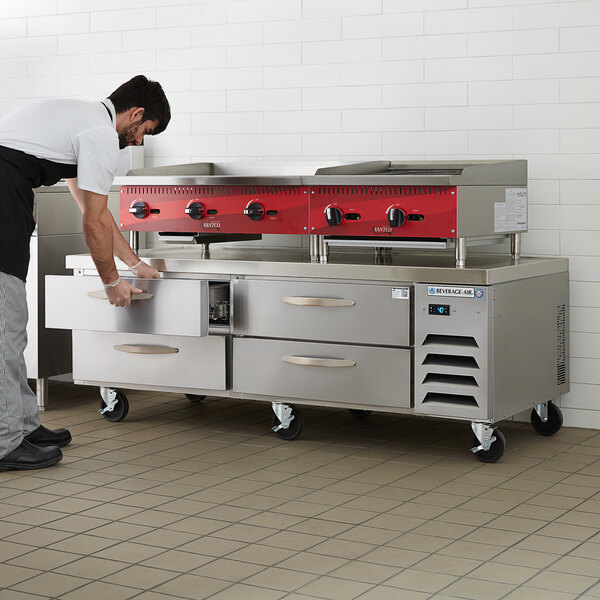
511 215
400 293
457 292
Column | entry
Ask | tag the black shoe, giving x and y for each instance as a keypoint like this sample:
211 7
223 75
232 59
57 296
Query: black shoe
28 456
42 436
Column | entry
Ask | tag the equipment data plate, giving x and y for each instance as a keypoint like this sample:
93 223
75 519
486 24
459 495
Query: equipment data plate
511 215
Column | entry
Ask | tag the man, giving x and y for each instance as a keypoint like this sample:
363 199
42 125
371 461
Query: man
40 144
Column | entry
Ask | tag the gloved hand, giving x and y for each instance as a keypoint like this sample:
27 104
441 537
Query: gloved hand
144 271
119 292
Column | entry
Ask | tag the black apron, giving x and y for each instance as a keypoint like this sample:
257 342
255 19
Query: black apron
19 174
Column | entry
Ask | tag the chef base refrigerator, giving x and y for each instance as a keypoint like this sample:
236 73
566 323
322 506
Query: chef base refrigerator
412 336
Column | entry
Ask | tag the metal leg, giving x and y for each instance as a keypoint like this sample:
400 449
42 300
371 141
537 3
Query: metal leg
323 249
483 432
134 240
515 246
314 248
319 250
41 391
461 252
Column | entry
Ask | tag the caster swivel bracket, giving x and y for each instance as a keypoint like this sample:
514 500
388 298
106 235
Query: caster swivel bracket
483 432
284 413
109 396
542 411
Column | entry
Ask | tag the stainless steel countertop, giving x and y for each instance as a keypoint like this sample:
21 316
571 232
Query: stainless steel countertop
481 269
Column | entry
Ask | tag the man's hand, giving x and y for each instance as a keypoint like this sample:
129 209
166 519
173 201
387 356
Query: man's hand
145 271
120 295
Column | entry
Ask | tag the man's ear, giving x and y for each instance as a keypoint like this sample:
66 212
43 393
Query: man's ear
136 113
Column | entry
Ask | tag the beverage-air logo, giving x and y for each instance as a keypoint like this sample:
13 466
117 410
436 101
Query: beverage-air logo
381 230
457 292
212 225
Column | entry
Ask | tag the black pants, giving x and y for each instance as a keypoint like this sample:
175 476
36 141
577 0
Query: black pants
20 173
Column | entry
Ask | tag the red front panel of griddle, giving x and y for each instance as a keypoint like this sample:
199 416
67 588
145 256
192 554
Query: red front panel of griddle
430 210
166 209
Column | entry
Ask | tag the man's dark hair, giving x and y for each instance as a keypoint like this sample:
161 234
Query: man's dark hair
140 91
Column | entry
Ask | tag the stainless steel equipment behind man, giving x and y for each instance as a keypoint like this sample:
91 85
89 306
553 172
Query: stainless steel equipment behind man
40 144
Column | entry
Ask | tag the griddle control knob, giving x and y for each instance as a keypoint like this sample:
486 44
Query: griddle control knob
195 210
139 209
334 216
255 211
396 217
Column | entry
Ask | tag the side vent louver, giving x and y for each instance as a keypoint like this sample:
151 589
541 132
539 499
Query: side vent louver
450 340
451 360
454 399
561 346
450 373
465 380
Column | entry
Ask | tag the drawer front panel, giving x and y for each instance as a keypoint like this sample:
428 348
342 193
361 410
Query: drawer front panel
165 361
327 372
335 312
176 306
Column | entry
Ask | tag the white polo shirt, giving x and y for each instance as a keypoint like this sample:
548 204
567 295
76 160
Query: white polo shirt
73 132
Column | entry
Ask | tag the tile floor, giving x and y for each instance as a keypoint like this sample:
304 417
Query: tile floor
195 501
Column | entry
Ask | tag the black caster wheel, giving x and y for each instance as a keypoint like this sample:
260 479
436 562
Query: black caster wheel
293 431
357 412
496 449
552 425
195 397
119 412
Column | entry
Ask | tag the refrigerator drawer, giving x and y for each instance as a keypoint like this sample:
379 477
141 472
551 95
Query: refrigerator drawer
169 306
327 372
150 360
330 312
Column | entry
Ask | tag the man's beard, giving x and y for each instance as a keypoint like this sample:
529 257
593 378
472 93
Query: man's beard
127 136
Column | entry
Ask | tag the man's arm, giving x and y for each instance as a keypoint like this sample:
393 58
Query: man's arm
98 230
121 248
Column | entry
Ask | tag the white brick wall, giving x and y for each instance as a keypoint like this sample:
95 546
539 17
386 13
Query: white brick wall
351 79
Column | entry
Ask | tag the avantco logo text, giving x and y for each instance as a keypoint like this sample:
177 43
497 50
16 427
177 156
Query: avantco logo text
211 225
382 230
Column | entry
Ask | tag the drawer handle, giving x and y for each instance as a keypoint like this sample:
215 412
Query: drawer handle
310 361
100 295
307 301
145 349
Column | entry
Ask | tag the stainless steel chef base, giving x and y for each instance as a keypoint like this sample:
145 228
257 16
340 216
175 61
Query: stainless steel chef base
479 344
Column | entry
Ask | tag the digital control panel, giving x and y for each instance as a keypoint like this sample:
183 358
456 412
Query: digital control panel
439 309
